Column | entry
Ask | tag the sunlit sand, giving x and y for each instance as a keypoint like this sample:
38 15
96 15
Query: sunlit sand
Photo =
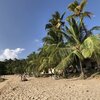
49 89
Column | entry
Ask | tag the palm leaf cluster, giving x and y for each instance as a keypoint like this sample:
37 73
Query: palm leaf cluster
68 45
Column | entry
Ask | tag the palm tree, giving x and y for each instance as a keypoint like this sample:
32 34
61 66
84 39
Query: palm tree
33 63
56 22
54 28
78 9
78 46
51 41
78 12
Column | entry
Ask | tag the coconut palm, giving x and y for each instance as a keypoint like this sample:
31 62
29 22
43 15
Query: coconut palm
44 56
56 22
78 12
78 9
52 40
54 28
78 47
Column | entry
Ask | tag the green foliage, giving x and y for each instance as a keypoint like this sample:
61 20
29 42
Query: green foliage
13 67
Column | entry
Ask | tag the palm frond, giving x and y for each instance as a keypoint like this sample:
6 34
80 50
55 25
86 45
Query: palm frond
73 5
82 4
75 27
90 45
70 17
62 16
48 40
78 54
48 26
95 28
56 15
65 62
86 14
44 64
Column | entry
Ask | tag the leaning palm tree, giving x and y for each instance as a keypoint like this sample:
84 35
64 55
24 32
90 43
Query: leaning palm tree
79 47
45 58
51 41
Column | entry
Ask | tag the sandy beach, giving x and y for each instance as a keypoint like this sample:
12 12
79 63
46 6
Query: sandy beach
49 89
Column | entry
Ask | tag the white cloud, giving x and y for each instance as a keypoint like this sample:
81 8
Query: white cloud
10 53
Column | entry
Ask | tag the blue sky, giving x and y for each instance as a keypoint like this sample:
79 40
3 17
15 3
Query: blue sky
22 22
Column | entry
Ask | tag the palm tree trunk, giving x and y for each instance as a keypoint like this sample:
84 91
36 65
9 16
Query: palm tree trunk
84 28
82 72
98 65
97 61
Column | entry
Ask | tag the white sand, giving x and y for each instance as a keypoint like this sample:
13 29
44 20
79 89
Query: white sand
49 89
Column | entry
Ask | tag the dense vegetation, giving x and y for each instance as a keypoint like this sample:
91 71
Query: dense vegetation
13 66
68 47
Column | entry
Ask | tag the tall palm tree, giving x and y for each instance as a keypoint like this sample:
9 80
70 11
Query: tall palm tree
78 12
78 9
52 40
56 22
54 28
